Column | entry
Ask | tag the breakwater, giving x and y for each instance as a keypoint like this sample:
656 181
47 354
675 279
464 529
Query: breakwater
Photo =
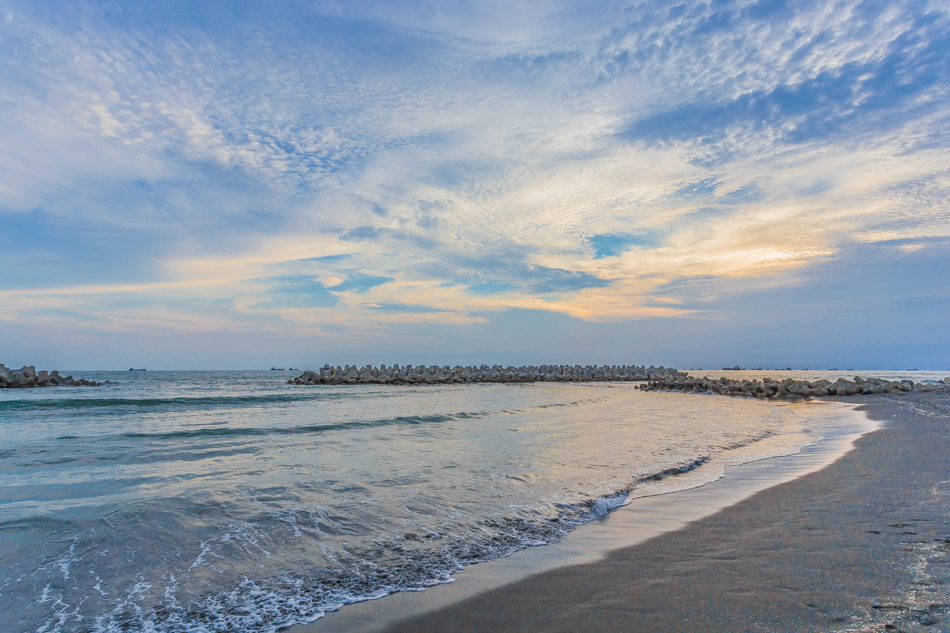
27 376
434 374
769 388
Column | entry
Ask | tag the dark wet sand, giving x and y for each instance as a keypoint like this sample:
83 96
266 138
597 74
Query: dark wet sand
862 545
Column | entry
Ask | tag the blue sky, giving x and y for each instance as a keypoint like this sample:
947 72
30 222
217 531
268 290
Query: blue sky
238 185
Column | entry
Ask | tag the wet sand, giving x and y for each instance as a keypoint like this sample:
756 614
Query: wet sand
857 545
861 545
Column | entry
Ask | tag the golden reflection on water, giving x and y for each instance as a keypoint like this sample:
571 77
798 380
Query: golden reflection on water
344 487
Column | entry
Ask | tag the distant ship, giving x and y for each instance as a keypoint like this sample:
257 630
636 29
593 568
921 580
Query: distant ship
134 369
277 369
736 368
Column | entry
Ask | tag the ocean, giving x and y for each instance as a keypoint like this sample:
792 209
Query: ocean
232 501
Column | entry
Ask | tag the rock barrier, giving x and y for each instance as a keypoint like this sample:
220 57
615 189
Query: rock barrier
27 376
769 388
434 374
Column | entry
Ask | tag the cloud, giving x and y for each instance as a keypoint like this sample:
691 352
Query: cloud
358 282
610 245
357 168
295 292
491 288
850 99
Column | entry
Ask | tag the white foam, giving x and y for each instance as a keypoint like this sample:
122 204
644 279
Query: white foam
603 505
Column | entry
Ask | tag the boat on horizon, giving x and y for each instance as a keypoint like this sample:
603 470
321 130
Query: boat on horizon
736 368
134 369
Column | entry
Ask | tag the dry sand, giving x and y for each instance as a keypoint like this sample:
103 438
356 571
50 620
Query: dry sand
862 545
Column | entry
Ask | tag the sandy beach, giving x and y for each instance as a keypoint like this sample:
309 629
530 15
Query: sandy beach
402 316
860 545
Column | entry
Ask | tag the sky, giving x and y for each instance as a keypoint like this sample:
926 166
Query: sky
213 185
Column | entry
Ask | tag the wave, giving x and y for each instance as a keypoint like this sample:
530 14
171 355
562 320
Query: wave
407 420
220 401
306 429
400 562
146 403
685 468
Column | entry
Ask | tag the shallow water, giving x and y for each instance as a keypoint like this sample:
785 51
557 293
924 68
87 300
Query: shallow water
211 501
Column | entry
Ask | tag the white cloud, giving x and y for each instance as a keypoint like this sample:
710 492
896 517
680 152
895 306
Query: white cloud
451 145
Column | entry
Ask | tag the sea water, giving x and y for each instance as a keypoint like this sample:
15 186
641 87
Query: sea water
232 501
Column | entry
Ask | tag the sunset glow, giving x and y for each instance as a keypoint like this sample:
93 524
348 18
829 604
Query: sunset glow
227 183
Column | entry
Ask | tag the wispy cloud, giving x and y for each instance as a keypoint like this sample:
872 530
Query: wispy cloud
307 166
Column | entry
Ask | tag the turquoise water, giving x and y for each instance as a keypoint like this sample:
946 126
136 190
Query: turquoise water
231 501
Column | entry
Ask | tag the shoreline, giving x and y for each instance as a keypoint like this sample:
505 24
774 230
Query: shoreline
642 519
860 545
